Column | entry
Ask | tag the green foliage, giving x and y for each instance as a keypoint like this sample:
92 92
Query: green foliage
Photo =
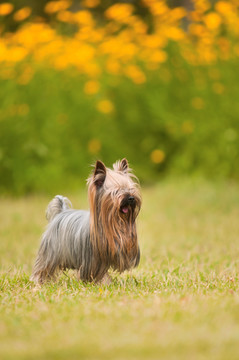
190 114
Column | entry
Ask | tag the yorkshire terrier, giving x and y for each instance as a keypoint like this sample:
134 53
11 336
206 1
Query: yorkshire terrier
94 241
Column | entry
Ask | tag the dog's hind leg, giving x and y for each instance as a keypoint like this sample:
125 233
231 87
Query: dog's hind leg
43 272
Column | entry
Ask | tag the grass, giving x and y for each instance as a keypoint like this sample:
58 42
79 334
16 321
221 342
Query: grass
181 303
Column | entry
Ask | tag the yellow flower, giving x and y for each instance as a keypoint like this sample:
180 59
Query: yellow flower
84 17
207 54
202 5
94 146
113 66
157 156
65 16
218 88
23 109
138 25
194 16
60 62
212 21
153 41
158 56
91 3
224 45
134 73
105 106
55 6
22 14
197 103
91 87
92 69
119 12
6 8
187 127
158 8
17 54
177 13
224 7
197 29
175 33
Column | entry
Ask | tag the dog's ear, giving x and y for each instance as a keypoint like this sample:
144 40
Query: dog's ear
123 166
99 173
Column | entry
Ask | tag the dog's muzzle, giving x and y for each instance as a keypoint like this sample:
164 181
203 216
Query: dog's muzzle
127 203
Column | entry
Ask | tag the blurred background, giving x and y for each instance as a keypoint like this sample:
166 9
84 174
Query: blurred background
153 81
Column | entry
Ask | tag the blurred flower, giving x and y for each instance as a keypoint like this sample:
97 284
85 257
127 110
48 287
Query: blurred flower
92 69
197 29
22 14
94 146
84 17
175 33
157 8
194 16
197 103
16 54
224 7
6 8
153 41
119 12
55 6
65 16
125 44
224 46
177 13
218 88
91 3
60 62
187 127
23 109
113 66
105 106
158 56
157 156
91 87
135 74
138 25
201 5
212 21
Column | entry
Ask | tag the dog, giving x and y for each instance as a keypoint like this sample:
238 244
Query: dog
94 241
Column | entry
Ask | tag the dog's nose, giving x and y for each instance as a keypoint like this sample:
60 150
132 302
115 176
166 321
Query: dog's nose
131 199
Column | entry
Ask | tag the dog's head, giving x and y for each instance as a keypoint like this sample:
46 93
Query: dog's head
115 191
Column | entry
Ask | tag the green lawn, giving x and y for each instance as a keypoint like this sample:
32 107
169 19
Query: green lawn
181 303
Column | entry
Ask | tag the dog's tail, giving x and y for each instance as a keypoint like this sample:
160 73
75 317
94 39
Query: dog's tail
56 206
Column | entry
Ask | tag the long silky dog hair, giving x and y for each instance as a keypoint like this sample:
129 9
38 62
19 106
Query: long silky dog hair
93 241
